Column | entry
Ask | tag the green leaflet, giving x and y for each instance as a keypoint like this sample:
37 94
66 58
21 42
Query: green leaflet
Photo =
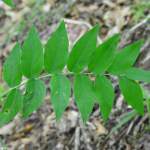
9 2
35 93
104 55
56 51
137 74
60 93
84 95
12 69
83 51
12 106
104 94
125 58
132 93
32 58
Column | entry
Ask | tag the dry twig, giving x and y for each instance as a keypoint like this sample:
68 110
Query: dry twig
82 23
139 24
138 141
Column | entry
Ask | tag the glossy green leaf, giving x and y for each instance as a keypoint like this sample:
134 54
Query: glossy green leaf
12 69
104 94
132 93
56 51
12 106
137 74
34 96
104 55
83 51
32 58
125 59
60 93
9 3
84 95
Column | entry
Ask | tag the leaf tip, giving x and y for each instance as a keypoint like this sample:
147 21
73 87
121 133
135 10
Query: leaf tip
84 121
118 34
63 21
98 25
21 117
57 119
32 26
13 6
104 119
140 42
142 112
19 43
32 29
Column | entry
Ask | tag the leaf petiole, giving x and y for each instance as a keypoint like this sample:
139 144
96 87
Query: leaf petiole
49 75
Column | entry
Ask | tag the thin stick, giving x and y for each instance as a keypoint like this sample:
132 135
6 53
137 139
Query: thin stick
140 24
138 141
82 23
49 75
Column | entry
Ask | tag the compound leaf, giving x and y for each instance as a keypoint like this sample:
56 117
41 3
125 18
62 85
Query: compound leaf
12 106
104 94
137 74
84 95
125 58
12 69
32 58
83 51
9 3
104 55
56 51
60 93
35 93
132 93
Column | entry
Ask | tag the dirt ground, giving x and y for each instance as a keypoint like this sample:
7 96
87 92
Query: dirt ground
124 130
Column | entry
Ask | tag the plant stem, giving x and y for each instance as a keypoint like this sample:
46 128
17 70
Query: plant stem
49 75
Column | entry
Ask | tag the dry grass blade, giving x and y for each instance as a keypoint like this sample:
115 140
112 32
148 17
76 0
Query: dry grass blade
2 146
82 23
136 129
140 24
128 117
138 141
